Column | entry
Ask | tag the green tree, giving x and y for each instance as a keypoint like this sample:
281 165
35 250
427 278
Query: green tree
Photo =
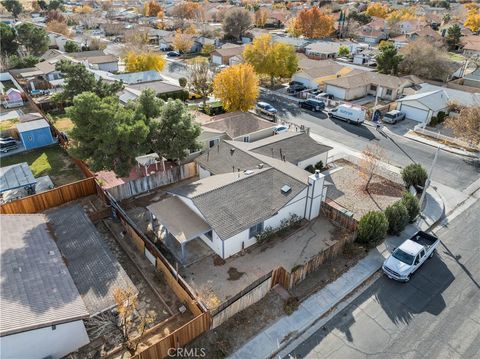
397 216
388 59
23 62
412 205
343 51
71 46
273 59
35 39
8 37
372 228
454 33
42 4
13 6
107 135
55 5
174 133
78 79
414 175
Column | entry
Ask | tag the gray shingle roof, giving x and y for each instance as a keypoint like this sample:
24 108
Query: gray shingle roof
296 148
232 202
36 287
94 269
237 124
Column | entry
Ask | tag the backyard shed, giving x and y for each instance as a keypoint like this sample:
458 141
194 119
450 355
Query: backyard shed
35 134
17 176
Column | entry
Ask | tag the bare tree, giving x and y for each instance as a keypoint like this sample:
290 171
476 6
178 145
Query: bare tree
236 22
467 125
370 161
200 78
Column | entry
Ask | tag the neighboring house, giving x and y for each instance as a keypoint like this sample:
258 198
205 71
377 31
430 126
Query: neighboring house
426 34
316 72
421 107
366 83
12 98
321 50
472 79
237 126
35 134
41 309
462 98
228 210
58 41
228 54
162 89
471 45
374 32
298 43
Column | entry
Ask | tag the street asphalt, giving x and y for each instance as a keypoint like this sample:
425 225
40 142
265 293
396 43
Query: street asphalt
435 315
451 170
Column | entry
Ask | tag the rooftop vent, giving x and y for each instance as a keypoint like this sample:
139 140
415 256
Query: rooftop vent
286 189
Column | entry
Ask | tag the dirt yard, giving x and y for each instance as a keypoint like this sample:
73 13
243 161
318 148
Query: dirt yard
348 189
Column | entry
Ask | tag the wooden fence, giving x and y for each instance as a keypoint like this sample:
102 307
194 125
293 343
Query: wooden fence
339 215
179 338
282 277
158 179
52 198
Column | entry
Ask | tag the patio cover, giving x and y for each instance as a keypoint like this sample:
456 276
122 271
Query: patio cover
147 160
180 221
16 176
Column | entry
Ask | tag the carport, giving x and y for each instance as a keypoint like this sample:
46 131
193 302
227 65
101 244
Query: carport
173 218
17 176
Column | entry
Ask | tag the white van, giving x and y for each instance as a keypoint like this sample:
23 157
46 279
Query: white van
349 113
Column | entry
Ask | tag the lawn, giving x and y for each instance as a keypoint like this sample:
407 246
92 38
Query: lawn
63 124
456 57
8 124
52 161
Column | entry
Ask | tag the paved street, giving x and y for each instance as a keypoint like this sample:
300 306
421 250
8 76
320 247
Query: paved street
435 315
400 151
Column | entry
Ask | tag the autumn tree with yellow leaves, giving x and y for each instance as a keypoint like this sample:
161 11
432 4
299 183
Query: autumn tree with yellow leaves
182 41
261 17
378 10
270 58
237 87
473 17
314 23
145 61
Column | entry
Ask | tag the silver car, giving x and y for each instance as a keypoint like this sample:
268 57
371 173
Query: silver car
393 117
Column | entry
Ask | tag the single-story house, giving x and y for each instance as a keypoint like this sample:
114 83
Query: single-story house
162 89
365 83
35 134
237 126
298 43
319 71
471 45
421 107
104 63
463 98
371 35
321 50
228 54
41 309
472 79
228 211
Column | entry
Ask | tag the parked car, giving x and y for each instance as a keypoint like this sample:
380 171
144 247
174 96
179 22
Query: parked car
296 87
324 95
173 54
348 113
312 104
409 256
266 109
280 129
393 116
7 144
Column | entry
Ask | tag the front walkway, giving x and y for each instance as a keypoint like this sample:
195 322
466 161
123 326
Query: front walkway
288 328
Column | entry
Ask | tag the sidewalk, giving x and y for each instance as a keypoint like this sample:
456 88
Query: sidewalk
287 329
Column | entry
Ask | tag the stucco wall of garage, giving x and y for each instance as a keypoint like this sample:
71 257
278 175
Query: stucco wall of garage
413 112
312 161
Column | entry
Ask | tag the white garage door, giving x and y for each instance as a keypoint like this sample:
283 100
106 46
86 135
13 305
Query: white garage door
336 91
414 113
217 60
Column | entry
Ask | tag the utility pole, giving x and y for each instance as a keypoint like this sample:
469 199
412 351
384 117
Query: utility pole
428 181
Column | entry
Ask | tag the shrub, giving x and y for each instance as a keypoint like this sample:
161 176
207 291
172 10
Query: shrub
71 46
291 305
310 169
414 175
182 81
397 217
319 165
412 205
372 228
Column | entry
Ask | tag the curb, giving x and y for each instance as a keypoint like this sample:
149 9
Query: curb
345 300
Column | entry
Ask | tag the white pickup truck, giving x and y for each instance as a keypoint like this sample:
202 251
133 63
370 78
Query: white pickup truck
409 256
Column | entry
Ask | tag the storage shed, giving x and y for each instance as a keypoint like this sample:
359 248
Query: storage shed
35 134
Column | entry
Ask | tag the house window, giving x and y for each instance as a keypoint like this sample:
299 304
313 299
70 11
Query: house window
256 229
246 139
213 142
389 92
373 88
209 235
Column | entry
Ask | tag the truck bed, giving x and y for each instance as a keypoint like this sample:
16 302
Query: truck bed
424 239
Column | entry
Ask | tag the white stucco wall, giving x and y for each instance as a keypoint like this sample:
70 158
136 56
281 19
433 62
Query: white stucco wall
108 66
355 93
202 173
44 342
305 80
314 160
